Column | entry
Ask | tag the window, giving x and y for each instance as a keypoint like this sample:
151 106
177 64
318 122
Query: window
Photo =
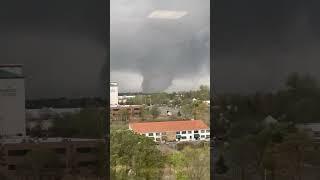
164 133
157 134
190 137
207 136
86 149
12 167
202 131
189 132
150 134
18 152
178 132
316 133
183 137
60 150
157 139
184 132
208 131
86 163
196 131
202 136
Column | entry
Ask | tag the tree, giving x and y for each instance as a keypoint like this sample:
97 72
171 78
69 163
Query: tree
204 92
198 163
130 152
179 114
178 160
221 167
186 110
244 155
124 115
191 163
289 155
88 123
154 111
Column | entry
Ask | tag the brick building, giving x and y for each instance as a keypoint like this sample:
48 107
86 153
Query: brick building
132 112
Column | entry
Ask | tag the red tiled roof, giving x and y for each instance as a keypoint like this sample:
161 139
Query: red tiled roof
168 126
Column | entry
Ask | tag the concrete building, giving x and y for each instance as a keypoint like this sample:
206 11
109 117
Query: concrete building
76 155
114 90
12 101
123 99
166 131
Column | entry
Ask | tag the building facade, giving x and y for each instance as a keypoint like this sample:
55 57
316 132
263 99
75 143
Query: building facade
12 101
172 131
131 112
114 92
79 156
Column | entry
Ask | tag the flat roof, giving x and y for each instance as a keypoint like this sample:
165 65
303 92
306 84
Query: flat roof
168 126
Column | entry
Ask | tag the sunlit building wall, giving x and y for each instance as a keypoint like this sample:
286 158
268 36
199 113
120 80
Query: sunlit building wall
114 90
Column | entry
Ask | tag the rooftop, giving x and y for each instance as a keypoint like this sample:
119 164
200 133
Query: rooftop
168 126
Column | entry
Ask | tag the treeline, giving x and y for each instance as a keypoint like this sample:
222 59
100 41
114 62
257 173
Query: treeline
135 156
66 103
257 133
172 99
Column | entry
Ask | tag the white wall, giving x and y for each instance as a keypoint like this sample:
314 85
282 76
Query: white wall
203 135
12 107
113 94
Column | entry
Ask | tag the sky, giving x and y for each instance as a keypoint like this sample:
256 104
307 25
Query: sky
62 44
258 43
153 55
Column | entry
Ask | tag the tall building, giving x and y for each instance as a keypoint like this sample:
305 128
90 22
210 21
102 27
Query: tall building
12 101
114 94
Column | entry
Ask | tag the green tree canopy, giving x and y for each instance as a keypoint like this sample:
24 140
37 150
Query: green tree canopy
136 155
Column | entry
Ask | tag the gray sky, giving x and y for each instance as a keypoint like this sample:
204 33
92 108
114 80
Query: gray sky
62 44
258 43
156 54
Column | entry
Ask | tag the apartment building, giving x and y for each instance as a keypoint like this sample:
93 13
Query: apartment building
76 156
170 131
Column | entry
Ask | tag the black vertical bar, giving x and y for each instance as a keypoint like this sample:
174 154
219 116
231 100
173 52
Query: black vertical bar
212 92
107 91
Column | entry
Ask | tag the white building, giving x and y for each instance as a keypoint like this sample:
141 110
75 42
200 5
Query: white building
184 130
124 99
114 90
12 101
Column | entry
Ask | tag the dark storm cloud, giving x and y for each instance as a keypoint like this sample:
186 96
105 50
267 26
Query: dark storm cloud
60 43
257 43
159 50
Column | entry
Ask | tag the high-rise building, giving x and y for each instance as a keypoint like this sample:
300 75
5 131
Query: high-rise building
114 94
12 101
